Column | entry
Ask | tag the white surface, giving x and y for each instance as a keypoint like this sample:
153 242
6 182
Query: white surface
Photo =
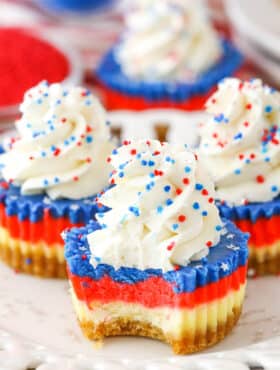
40 311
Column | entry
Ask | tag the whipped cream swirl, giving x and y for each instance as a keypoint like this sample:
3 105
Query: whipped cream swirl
240 143
162 211
168 40
62 144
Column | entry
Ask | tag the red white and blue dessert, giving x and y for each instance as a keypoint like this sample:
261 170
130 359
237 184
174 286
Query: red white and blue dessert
240 145
161 262
52 170
169 56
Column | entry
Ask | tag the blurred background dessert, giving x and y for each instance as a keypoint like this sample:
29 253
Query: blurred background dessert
81 32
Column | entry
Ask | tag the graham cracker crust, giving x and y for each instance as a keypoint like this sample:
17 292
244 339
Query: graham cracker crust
270 266
186 345
34 262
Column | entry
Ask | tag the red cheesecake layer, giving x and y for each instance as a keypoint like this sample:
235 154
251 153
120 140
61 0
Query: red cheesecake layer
263 232
153 292
48 229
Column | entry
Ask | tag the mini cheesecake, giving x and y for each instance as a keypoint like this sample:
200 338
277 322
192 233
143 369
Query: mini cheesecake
161 263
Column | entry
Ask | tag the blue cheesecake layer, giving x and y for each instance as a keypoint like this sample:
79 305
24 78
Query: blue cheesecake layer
32 207
251 211
222 260
110 73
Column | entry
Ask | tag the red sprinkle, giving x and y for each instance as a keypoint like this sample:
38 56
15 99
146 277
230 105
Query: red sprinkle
209 244
56 152
246 124
76 178
186 181
133 151
108 159
248 106
204 192
260 179
182 218
170 246
179 191
241 156
210 200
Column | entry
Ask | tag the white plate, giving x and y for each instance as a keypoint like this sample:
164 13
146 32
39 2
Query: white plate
38 328
40 311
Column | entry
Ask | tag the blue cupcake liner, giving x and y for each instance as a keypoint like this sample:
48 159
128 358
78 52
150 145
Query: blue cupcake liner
251 211
231 250
110 74
32 206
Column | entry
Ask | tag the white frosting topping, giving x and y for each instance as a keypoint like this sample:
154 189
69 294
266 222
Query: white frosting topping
162 211
240 142
168 40
62 145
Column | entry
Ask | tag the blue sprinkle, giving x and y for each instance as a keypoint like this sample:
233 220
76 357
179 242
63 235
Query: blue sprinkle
43 154
45 95
247 161
66 142
198 186
88 102
89 139
167 188
159 209
45 182
175 226
196 205
58 102
218 227
53 148
204 213
152 175
28 261
135 211
238 136
65 93
56 180
168 202
274 188
39 101
72 138
187 169
168 159
121 174
268 109
97 259
148 187
144 163
139 155
267 159
219 118
237 171
52 128
114 152
151 163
